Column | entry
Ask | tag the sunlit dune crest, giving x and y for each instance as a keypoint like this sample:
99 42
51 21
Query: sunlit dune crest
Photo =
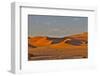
82 36
39 41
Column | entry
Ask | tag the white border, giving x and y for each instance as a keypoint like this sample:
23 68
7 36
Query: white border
19 38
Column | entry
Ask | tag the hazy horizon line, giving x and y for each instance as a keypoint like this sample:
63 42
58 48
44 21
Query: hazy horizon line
57 36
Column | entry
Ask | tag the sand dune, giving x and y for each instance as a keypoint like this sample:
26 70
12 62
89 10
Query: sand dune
39 41
82 36
70 47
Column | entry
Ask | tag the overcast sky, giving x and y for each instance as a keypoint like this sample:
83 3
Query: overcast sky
60 26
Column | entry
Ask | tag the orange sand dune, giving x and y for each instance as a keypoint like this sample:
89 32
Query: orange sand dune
60 45
70 47
46 53
66 45
39 41
44 41
82 36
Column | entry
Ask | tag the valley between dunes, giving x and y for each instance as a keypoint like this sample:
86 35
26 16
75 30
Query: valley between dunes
51 48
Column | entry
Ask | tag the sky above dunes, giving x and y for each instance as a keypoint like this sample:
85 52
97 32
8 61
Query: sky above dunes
56 26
